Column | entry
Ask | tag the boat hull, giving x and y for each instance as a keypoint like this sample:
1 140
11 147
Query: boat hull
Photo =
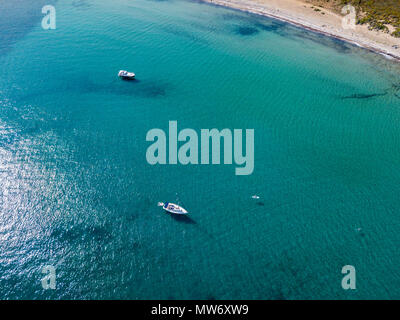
174 209
125 75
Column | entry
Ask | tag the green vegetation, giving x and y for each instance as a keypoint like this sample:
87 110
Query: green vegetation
381 15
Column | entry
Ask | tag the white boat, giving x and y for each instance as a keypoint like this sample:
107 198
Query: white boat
126 75
172 208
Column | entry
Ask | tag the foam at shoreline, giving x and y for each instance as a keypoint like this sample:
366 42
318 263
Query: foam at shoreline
297 13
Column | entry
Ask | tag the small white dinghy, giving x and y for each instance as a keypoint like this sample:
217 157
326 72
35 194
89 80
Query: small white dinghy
123 74
172 208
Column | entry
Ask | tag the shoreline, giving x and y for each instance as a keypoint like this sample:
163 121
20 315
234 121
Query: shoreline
295 13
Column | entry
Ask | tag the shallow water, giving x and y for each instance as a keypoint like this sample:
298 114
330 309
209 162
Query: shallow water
77 193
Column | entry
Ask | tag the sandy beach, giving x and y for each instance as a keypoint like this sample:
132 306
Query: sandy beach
302 13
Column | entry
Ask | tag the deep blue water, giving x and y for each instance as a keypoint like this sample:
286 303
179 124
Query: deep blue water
77 193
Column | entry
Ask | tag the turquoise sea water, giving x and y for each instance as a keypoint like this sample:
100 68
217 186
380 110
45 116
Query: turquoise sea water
77 193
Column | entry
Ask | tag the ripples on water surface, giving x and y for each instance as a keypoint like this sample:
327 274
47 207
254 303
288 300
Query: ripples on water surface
77 193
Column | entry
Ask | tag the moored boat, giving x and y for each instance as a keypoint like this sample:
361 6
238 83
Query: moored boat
126 75
172 208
